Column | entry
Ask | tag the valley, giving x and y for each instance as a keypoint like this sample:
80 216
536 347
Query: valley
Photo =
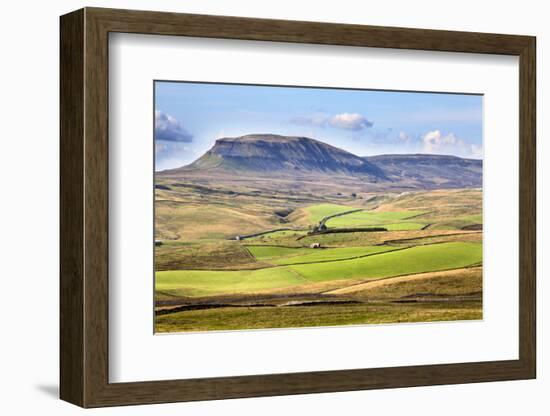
268 231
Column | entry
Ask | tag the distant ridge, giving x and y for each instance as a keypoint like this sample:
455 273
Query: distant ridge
276 156
431 171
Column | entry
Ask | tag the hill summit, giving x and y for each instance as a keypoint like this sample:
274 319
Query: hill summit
295 157
283 154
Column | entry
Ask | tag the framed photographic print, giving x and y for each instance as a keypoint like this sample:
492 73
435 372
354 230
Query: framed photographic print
255 207
269 230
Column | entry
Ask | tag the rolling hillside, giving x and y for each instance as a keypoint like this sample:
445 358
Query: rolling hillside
431 171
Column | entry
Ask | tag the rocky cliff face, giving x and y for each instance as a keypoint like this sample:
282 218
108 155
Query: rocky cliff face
280 154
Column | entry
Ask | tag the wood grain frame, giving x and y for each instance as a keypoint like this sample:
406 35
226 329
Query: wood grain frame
84 207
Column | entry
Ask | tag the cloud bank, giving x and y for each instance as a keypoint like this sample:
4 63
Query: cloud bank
435 142
168 129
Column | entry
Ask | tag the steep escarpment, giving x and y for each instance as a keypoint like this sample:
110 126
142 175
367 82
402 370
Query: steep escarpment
282 154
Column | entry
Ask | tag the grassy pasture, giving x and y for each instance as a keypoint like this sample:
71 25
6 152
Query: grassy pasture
398 262
394 263
287 256
318 212
199 263
207 282
371 218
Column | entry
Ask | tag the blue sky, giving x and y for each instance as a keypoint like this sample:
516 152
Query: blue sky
189 117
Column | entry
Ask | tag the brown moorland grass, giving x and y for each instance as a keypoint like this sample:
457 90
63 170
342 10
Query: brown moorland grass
194 222
439 237
465 281
232 318
447 208
439 199
205 255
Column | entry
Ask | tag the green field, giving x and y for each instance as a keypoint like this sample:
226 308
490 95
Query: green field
287 256
373 218
394 263
206 282
318 212
398 262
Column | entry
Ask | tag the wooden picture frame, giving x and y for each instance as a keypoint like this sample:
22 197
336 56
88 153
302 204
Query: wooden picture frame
84 207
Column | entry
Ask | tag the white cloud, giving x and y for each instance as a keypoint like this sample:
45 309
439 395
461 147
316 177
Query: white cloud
346 121
167 128
435 142
350 121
